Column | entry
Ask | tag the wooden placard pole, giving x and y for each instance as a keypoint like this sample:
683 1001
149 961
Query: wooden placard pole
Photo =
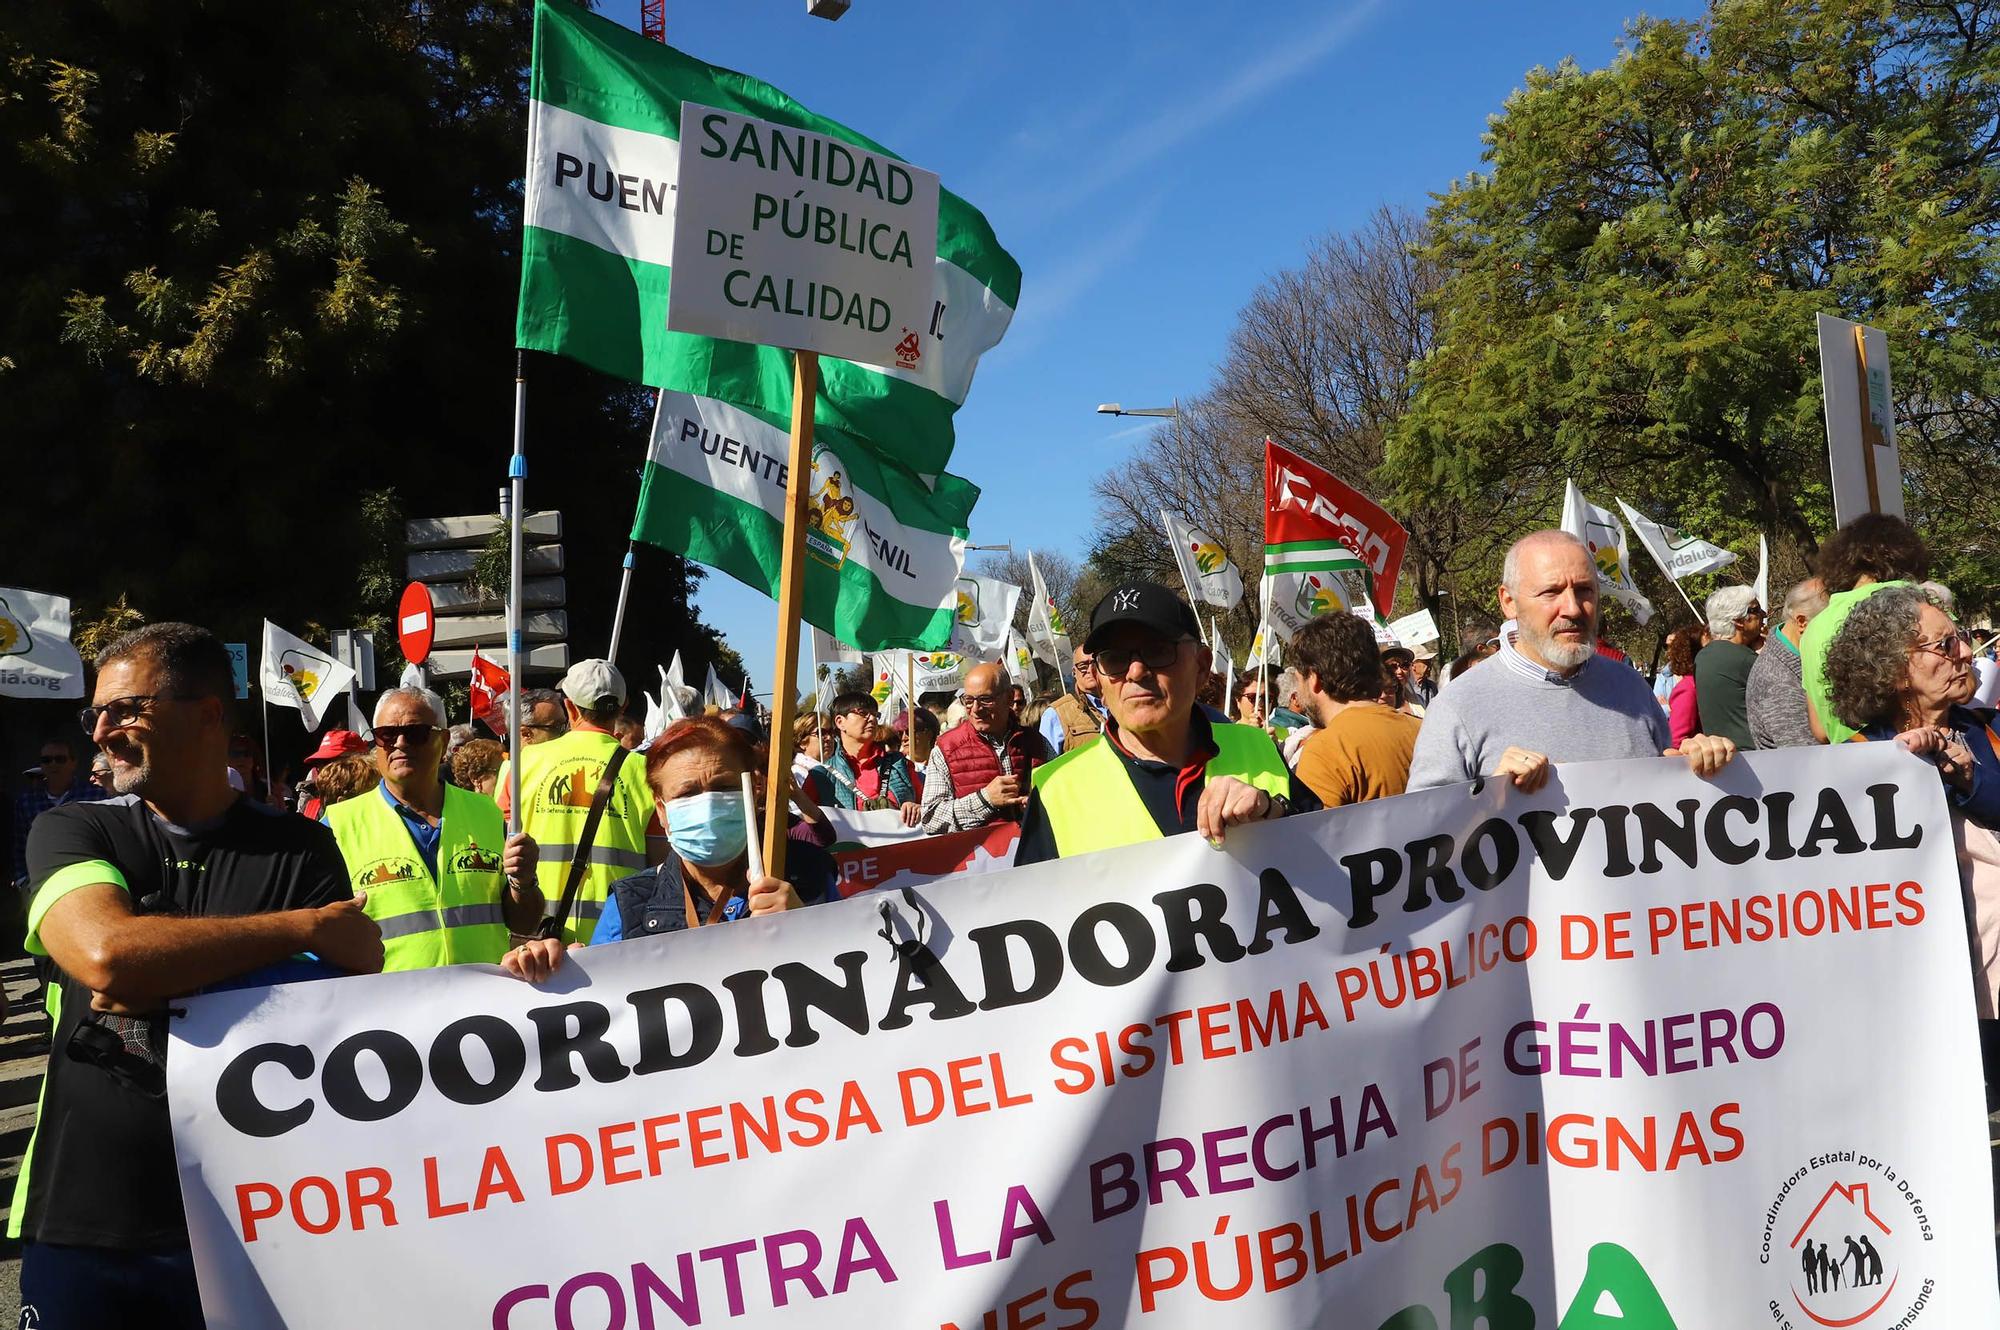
1871 433
791 596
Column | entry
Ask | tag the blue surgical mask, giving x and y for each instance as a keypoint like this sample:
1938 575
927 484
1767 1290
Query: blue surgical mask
707 829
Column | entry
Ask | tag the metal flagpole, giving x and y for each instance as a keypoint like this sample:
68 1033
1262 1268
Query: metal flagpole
618 615
264 709
517 481
625 578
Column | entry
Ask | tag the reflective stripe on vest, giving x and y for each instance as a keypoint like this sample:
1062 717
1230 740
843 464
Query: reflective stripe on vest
1091 804
453 918
558 779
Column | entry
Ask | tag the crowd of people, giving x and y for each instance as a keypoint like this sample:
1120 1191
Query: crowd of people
151 872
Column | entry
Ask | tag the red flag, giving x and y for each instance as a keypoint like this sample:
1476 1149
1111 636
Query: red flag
490 683
1304 503
746 704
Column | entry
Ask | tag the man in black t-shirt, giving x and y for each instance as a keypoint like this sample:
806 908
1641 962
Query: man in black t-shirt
177 885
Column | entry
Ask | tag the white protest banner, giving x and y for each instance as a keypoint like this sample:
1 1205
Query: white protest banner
784 237
1866 469
1630 1053
36 657
1414 630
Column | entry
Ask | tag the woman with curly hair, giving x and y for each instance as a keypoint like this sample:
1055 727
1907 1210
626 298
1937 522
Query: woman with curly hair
1901 670
1683 713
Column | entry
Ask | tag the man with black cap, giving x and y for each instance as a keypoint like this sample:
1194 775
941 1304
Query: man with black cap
1163 767
559 778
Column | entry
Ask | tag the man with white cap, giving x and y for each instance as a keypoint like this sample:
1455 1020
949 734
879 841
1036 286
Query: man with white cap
559 780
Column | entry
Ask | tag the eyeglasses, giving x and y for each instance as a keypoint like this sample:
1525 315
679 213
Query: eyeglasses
531 725
1086 666
123 712
988 702
1947 646
865 714
1154 655
1754 612
410 736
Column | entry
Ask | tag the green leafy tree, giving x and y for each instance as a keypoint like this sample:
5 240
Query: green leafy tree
1634 276
258 266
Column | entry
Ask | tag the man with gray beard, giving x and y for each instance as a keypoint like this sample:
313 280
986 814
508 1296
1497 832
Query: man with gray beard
1547 696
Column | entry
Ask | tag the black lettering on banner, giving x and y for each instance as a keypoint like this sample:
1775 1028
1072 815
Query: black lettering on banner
341 1081
454 1079
236 1093
559 1044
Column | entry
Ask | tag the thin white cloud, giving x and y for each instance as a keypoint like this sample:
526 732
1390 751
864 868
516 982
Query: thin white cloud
1189 116
1047 296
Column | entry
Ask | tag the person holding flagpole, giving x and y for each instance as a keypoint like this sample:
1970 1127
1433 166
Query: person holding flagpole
443 879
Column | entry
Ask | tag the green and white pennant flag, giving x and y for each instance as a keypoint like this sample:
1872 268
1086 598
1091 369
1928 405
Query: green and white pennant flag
883 551
603 155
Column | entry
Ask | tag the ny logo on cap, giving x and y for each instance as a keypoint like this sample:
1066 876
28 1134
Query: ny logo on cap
1128 599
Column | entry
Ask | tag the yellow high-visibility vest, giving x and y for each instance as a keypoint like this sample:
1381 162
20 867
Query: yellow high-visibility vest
452 918
558 779
1091 805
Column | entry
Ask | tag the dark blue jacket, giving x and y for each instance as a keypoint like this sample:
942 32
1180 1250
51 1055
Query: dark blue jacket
653 902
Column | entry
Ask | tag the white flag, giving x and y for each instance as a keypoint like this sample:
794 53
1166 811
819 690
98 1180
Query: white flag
1021 662
1604 535
1206 571
984 613
715 694
919 671
1046 633
36 658
1678 555
294 673
1764 577
656 719
830 650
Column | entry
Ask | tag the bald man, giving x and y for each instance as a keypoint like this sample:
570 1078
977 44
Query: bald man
1547 696
978 772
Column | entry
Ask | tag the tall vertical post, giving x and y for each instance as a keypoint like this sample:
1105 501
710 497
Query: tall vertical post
618 615
791 606
517 494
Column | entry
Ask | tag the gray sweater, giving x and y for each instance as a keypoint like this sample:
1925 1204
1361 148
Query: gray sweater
1603 711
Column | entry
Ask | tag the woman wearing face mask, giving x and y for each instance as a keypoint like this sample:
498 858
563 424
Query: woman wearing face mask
696 771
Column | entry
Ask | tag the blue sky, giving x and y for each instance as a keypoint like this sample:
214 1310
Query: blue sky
1149 164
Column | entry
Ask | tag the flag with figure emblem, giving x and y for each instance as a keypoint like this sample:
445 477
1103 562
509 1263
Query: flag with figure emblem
294 673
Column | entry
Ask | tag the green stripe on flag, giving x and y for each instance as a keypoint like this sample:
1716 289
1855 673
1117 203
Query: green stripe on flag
881 575
594 275
611 74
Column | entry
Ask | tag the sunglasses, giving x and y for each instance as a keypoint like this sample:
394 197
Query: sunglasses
123 712
1154 656
410 736
1947 646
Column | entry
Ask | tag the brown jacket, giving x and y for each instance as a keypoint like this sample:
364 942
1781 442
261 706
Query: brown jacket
1079 722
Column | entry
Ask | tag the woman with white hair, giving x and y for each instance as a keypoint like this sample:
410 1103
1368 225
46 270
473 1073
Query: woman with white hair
1722 670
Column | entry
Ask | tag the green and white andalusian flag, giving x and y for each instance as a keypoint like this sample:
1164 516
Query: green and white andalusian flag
883 551
603 154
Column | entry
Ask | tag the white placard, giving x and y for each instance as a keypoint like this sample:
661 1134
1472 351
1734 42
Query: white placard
789 238
1860 421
